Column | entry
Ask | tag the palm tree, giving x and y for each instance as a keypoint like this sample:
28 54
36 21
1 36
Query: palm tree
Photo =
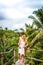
35 34
38 20
39 14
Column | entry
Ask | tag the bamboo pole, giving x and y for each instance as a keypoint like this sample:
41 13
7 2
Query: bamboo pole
35 50
35 59
14 55
2 59
6 52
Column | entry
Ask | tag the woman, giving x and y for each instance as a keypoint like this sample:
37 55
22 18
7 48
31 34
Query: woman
22 43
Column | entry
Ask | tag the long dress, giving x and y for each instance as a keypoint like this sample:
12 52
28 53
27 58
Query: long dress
21 48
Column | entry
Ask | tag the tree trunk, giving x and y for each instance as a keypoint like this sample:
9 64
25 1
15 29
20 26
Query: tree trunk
2 59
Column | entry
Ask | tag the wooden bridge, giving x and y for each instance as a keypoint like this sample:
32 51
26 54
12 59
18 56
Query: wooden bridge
14 57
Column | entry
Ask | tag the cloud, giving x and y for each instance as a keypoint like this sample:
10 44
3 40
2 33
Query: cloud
15 24
14 13
2 17
9 9
34 3
9 3
19 8
18 26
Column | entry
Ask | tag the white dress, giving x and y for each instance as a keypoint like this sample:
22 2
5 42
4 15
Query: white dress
21 49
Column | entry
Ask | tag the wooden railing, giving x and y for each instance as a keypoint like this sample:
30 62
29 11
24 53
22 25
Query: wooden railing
14 57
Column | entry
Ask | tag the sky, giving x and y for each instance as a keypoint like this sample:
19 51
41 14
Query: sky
14 13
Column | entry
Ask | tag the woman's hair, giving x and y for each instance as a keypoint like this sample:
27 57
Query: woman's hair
22 33
24 36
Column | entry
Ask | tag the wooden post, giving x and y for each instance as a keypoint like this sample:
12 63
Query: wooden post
31 56
2 59
14 55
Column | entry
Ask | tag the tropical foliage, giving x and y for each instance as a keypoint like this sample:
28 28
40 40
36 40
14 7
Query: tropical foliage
34 34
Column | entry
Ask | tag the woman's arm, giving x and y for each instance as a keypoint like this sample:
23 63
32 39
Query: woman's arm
26 42
19 42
